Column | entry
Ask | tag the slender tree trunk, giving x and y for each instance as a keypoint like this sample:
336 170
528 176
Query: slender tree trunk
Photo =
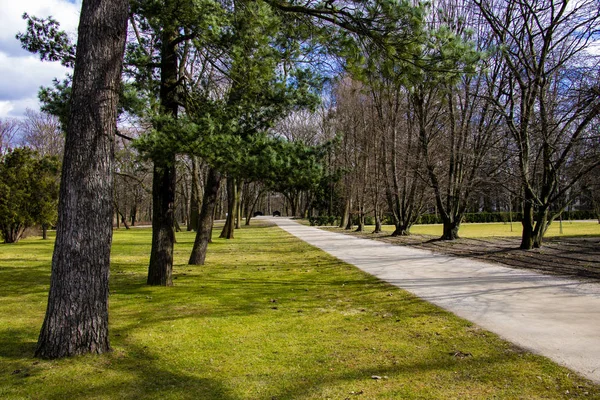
346 214
238 204
228 228
527 234
76 320
350 222
361 221
378 228
160 269
195 197
44 231
133 214
206 218
541 226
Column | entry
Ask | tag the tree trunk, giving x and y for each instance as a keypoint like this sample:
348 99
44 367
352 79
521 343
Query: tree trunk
160 269
451 227
76 320
345 216
44 231
361 221
541 226
527 234
228 228
163 179
238 204
195 197
293 200
206 218
12 233
133 214
402 229
350 222
378 228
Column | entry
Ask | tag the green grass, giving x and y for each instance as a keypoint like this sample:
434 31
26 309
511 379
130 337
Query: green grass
499 229
268 317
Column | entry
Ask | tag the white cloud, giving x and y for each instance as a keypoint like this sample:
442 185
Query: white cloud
65 12
16 108
22 76
21 73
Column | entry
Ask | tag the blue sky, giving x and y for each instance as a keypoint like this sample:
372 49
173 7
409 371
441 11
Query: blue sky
21 73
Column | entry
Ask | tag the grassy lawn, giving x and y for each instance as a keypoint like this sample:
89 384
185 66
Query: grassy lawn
569 228
268 317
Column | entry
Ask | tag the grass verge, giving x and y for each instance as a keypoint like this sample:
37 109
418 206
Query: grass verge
499 229
268 317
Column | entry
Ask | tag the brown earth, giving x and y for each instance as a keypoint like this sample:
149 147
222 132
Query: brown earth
577 257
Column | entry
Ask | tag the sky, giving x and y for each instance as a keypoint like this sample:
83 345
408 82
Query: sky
22 73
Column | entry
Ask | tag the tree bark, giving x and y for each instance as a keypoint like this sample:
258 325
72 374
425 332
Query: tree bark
76 320
206 218
160 269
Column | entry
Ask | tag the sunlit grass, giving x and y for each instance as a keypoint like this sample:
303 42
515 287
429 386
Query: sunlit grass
499 229
268 317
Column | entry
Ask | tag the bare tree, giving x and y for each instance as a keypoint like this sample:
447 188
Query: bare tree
548 97
8 130
42 132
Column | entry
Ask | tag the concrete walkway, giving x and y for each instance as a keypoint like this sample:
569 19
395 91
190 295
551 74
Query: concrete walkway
555 317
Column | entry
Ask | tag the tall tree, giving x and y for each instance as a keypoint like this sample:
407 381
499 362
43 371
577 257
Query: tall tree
76 320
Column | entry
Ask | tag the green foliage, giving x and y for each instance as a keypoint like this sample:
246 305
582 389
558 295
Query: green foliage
28 192
44 38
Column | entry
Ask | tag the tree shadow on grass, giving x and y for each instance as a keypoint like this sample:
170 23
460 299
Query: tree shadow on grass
117 375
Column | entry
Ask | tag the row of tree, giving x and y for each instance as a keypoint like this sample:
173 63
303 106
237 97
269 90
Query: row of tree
510 114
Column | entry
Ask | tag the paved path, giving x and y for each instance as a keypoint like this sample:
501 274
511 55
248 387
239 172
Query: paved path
556 317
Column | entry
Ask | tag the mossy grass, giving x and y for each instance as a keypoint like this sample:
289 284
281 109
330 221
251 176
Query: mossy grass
267 317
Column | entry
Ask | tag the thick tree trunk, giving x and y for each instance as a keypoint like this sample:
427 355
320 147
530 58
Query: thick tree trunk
206 218
451 227
402 229
160 269
76 319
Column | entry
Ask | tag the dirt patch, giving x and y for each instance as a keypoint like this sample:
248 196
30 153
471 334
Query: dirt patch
577 257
